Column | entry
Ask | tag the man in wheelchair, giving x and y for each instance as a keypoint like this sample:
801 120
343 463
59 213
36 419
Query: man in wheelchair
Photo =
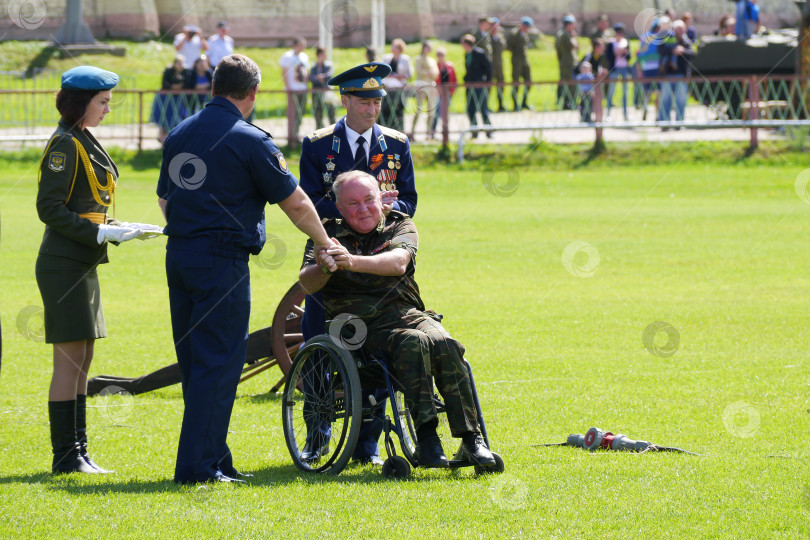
369 274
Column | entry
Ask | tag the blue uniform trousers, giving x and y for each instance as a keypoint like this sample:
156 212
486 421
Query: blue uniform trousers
209 297
313 323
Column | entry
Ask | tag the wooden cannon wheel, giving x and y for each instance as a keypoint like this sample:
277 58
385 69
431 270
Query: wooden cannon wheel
284 337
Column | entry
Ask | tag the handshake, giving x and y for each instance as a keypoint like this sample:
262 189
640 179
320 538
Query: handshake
127 231
333 258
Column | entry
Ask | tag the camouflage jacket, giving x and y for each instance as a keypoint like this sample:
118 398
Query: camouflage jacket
378 300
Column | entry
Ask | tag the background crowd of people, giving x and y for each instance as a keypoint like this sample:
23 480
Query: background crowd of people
604 61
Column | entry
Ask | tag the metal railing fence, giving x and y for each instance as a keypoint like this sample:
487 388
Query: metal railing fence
425 111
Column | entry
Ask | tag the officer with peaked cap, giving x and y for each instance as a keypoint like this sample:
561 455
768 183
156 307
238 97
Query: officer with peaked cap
77 184
355 142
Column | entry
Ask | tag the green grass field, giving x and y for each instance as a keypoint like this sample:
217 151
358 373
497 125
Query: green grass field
549 276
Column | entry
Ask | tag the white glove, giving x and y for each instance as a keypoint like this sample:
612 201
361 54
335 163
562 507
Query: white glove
115 233
143 226
148 230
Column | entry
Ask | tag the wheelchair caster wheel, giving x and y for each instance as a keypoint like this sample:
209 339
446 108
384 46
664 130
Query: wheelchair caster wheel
491 469
396 467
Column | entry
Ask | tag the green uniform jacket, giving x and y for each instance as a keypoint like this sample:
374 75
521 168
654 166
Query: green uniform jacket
67 234
484 40
566 54
498 46
518 43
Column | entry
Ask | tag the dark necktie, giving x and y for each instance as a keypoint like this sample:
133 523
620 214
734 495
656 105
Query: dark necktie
360 161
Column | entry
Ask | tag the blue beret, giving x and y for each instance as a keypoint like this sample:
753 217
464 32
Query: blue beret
569 19
363 81
88 78
528 21
494 20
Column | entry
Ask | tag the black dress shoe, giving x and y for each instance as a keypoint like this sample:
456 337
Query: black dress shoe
313 452
233 473
220 477
476 449
429 452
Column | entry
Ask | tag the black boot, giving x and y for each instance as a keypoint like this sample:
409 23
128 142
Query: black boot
429 451
66 458
81 432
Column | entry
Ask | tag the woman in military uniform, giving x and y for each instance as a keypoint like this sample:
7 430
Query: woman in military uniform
76 187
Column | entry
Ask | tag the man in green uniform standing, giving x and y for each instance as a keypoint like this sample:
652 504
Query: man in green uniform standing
566 46
498 45
518 44
483 37
369 274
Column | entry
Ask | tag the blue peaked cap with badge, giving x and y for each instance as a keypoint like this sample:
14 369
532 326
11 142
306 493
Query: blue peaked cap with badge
88 78
363 81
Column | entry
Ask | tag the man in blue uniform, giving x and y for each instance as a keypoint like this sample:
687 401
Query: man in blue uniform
356 142
217 175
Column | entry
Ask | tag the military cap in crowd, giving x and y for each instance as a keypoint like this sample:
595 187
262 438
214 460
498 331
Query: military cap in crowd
363 81
528 21
569 19
88 78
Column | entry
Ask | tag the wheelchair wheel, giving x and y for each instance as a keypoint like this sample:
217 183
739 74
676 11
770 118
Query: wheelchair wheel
492 469
321 407
396 467
408 439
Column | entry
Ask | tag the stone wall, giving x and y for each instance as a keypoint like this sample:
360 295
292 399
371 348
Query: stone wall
276 22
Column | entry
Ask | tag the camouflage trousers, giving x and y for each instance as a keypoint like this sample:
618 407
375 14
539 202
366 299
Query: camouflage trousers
418 347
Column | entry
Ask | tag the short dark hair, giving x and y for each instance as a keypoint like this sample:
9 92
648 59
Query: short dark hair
319 50
72 104
235 76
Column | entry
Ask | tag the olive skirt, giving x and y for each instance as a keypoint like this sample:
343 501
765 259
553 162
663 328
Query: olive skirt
72 299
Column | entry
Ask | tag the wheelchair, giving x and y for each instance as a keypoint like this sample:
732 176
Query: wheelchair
322 412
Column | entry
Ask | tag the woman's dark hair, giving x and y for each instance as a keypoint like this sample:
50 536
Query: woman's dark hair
72 104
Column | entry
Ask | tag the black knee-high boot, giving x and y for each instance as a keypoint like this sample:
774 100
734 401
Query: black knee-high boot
66 458
81 432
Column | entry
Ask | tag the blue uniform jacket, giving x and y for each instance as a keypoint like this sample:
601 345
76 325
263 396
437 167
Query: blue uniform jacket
326 153
217 175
